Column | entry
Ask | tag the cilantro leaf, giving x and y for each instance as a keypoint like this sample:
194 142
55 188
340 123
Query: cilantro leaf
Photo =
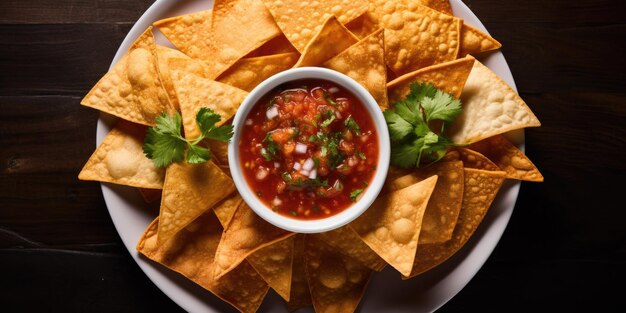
413 141
355 194
398 127
441 107
352 125
165 145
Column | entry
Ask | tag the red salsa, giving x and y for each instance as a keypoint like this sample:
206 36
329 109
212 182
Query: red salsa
308 149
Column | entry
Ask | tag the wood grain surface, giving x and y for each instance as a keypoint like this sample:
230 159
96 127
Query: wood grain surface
562 251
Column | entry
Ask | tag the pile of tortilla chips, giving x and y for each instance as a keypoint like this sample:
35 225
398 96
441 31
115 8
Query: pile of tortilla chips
206 232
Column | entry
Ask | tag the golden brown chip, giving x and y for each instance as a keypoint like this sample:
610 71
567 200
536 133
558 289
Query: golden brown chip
150 195
473 159
164 55
132 89
195 91
248 73
490 107
416 36
347 241
392 225
120 159
329 41
274 264
480 189
219 150
190 252
445 202
300 295
365 63
189 32
300 20
509 158
474 42
245 234
278 45
439 5
449 77
363 25
225 210
189 190
337 282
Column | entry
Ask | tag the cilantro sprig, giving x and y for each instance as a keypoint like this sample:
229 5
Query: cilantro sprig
164 143
410 125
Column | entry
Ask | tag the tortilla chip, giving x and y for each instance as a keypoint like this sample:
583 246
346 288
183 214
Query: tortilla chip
439 5
300 21
226 209
278 45
150 195
189 32
300 295
165 54
444 205
392 225
332 39
195 91
365 63
449 77
337 282
248 73
245 234
509 158
364 25
346 241
480 189
189 190
274 264
120 159
190 253
416 36
474 42
132 89
490 107
473 159
219 150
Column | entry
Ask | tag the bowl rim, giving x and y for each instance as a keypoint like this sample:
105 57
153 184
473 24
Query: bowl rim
367 198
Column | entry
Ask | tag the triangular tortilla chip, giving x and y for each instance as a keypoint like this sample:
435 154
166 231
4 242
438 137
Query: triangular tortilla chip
365 63
416 36
300 295
188 32
473 159
474 42
191 252
245 234
347 241
120 159
449 77
195 92
332 39
151 195
189 190
165 54
480 189
509 158
300 21
248 73
278 45
363 25
226 209
391 226
490 107
274 264
132 89
444 205
219 150
439 5
337 282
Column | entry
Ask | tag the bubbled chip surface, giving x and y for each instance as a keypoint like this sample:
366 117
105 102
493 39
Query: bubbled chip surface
509 158
274 264
330 40
247 73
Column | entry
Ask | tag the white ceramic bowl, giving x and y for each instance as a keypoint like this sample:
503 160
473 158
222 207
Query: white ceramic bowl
350 213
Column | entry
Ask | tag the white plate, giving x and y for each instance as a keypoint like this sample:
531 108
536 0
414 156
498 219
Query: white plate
386 292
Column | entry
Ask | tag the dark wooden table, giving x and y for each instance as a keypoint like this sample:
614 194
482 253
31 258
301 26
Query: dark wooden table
565 246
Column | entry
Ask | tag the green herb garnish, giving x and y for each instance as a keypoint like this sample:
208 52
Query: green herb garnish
352 125
409 125
271 148
355 193
164 143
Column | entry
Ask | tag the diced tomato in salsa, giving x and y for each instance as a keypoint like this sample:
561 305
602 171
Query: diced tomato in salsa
308 149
